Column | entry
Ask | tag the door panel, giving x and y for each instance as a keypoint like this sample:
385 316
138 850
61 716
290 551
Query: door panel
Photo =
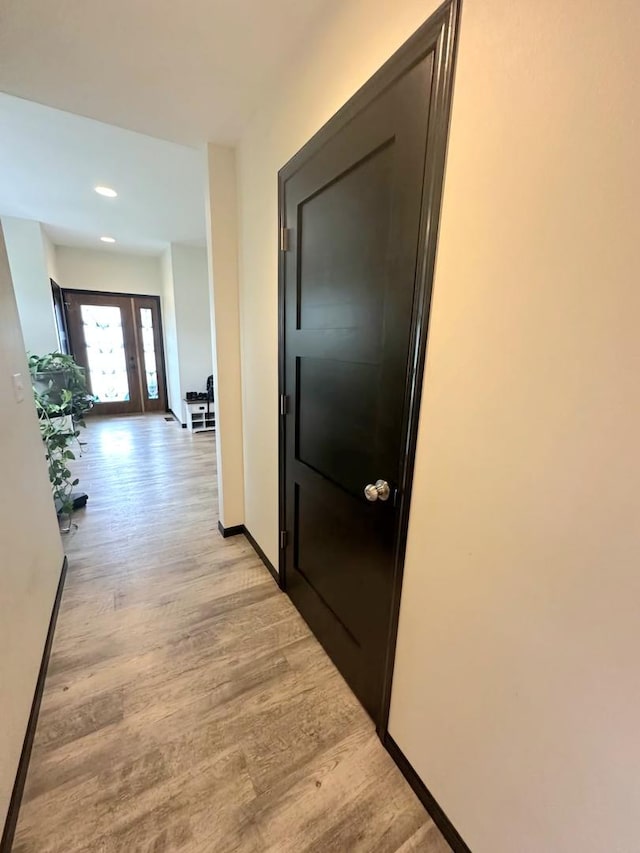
149 343
103 342
330 245
103 331
353 210
330 391
60 313
116 338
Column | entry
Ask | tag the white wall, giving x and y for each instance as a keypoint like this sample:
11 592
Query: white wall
29 261
108 270
516 695
51 258
180 278
222 227
193 316
30 547
121 272
170 327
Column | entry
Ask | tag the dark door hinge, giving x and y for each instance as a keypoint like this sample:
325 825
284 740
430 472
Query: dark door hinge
283 539
284 239
284 404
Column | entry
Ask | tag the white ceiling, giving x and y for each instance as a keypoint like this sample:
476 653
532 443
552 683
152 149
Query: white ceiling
190 71
186 72
50 162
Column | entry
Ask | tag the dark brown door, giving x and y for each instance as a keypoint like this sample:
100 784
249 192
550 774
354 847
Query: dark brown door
149 352
117 339
60 314
353 251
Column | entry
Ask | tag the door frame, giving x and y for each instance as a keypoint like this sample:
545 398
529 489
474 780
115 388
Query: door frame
162 373
439 34
57 296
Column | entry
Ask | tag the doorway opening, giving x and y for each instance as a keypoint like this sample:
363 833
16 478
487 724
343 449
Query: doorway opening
359 209
117 338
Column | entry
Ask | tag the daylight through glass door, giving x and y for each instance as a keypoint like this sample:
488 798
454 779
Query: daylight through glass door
104 341
118 339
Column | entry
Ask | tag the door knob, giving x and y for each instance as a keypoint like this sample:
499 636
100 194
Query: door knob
377 491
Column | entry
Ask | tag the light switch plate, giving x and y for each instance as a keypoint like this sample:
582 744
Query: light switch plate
18 387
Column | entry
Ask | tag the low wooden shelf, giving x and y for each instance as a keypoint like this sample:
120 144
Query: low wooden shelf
198 415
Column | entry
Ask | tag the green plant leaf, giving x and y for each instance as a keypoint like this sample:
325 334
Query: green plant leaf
59 390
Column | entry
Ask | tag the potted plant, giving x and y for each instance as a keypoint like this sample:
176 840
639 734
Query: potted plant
60 393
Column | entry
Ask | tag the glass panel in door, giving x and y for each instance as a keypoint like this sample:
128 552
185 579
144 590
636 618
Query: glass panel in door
106 358
149 353
103 341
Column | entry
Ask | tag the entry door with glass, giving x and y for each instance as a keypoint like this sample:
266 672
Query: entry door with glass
118 339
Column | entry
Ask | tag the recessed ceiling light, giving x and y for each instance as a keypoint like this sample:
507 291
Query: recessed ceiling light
108 239
107 191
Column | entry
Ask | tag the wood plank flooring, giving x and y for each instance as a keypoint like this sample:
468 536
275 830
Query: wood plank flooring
187 706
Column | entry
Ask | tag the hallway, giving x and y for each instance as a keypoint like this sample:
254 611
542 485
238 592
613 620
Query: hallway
187 706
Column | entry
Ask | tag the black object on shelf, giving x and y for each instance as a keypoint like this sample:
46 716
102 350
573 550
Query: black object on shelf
79 501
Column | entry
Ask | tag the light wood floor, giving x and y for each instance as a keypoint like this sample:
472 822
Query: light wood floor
187 706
